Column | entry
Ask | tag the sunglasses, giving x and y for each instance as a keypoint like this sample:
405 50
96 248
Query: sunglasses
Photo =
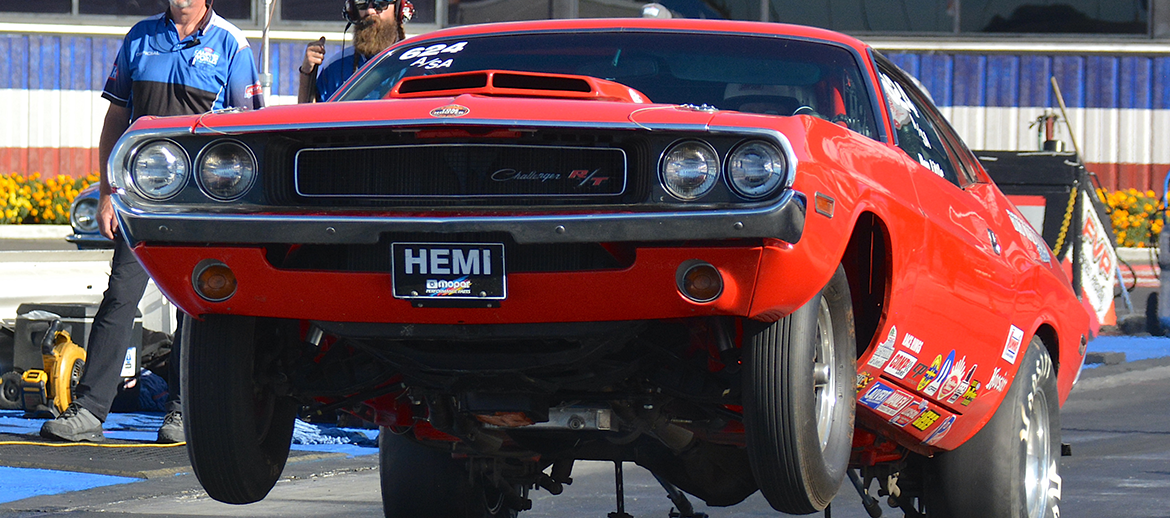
379 6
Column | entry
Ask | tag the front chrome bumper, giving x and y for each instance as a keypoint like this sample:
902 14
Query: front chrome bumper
782 220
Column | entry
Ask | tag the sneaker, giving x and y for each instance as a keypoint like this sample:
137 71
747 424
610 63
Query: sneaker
75 424
172 429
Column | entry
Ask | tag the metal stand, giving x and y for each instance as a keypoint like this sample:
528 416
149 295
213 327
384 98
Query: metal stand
679 499
621 492
871 504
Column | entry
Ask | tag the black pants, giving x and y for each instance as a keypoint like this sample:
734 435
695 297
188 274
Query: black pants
111 333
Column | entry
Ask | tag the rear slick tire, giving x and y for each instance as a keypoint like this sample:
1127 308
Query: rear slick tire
419 481
1009 469
798 396
238 432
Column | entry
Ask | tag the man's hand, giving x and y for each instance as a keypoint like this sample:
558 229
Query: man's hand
314 55
107 221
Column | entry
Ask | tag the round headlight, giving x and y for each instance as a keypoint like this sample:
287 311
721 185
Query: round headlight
756 169
690 169
227 170
83 217
159 169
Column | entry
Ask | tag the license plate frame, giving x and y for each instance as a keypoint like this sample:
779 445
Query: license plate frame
448 271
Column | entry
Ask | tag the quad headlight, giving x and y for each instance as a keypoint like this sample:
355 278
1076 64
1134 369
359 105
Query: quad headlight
756 169
690 169
227 170
159 169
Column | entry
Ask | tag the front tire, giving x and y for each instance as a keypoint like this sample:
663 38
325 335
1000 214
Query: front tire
799 400
238 431
1009 469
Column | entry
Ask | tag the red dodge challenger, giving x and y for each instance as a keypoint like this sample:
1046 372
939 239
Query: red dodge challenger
747 257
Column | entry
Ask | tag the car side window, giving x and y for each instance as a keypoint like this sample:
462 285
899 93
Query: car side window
917 136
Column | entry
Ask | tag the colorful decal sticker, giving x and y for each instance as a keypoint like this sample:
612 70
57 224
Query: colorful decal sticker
901 364
964 386
912 343
971 393
863 380
1098 260
1026 231
895 403
931 373
943 372
876 395
884 349
951 383
941 431
910 413
925 420
1012 347
998 381
920 369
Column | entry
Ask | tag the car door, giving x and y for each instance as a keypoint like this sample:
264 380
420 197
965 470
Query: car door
963 299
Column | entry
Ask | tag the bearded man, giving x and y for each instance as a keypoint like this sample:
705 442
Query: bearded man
377 25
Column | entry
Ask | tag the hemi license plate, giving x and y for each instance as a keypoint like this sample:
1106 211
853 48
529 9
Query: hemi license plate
436 272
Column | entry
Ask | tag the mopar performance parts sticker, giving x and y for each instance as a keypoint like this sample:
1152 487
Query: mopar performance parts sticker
884 349
448 271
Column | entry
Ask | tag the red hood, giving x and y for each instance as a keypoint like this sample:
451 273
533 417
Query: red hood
479 110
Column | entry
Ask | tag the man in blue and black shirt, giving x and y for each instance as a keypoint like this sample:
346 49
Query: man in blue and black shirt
185 61
377 26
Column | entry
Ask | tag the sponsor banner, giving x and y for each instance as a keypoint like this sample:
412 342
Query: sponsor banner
1098 260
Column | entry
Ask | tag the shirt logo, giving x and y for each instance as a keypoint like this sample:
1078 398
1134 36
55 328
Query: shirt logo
205 56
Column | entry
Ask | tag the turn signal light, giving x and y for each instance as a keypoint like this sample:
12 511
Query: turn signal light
699 281
214 281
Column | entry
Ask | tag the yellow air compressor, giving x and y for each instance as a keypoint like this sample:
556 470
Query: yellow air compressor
50 390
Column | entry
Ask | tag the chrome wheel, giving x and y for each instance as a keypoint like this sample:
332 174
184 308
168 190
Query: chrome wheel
1038 458
824 375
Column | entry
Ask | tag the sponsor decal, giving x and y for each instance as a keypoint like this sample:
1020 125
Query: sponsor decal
931 373
910 413
1098 260
971 393
450 110
205 56
912 343
919 370
964 385
895 403
884 349
901 364
924 420
876 395
998 381
941 431
951 383
943 372
1012 347
863 380
253 90
1026 231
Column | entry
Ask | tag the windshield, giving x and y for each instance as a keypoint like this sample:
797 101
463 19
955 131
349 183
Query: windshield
756 74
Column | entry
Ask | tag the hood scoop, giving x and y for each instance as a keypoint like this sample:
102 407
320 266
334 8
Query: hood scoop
500 83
